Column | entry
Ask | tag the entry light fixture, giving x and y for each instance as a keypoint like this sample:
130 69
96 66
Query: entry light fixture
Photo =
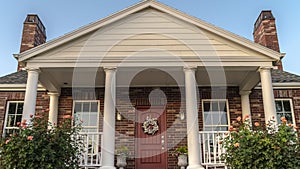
119 116
181 115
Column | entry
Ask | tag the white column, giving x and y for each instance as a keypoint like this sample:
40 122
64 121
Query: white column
31 93
268 95
246 110
53 108
108 142
192 119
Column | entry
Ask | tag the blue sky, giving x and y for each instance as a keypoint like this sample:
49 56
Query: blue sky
63 16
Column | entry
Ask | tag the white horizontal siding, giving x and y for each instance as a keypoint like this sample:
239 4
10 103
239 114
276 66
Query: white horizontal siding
150 35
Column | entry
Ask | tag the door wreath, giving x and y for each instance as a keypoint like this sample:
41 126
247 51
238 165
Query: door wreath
150 126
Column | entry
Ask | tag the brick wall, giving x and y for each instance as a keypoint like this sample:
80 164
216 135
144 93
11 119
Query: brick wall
257 108
41 105
127 100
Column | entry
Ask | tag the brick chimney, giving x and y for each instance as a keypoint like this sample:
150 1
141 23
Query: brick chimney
34 34
265 32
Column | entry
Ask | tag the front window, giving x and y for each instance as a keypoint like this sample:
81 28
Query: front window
87 113
215 114
284 109
13 116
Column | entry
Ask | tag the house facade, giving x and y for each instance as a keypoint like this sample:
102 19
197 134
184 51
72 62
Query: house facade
153 79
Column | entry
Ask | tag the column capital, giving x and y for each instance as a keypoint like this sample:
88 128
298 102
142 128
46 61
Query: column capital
53 94
245 92
189 68
106 69
265 68
31 69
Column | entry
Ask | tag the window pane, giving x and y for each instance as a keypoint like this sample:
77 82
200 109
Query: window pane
18 119
85 120
10 121
224 120
289 118
94 107
222 128
215 116
77 107
206 106
86 107
12 108
287 105
20 108
87 112
208 119
279 115
215 106
209 129
278 106
10 131
223 106
93 119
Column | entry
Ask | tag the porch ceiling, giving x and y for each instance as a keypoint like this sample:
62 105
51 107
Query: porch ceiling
55 78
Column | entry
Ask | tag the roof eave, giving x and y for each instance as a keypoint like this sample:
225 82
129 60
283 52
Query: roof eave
18 87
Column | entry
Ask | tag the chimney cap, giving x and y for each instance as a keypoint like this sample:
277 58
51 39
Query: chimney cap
264 15
34 18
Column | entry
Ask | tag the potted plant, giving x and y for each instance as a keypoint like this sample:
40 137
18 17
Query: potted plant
181 153
122 153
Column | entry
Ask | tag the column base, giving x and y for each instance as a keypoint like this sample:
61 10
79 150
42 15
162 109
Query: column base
195 167
107 167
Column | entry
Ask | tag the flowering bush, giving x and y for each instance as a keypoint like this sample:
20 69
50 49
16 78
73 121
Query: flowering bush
35 146
267 147
181 150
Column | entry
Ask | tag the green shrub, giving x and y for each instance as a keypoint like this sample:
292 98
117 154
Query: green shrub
262 147
37 146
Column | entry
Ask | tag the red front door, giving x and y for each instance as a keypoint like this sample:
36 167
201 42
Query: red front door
151 145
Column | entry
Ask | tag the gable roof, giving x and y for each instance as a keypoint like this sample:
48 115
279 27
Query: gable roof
138 7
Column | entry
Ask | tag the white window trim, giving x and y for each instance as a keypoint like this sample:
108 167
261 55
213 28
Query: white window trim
227 108
292 107
98 101
87 144
6 115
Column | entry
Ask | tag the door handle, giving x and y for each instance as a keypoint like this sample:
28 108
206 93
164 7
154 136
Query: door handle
162 142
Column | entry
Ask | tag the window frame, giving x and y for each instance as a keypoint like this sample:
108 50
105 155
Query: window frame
227 108
291 105
91 146
87 101
6 115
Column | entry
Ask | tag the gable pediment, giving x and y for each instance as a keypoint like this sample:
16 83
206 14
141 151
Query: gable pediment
150 34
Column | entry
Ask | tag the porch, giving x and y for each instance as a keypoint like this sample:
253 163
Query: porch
120 94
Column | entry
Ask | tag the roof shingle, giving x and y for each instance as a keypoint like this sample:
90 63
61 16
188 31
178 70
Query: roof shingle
279 76
14 78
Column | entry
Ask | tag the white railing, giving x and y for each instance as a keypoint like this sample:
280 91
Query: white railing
211 148
90 157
